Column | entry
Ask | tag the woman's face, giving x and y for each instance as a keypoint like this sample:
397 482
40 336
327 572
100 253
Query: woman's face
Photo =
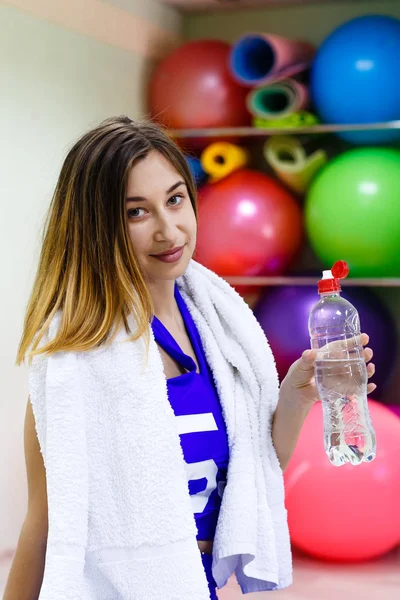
160 218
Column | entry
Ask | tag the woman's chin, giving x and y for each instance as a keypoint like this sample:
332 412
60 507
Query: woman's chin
167 271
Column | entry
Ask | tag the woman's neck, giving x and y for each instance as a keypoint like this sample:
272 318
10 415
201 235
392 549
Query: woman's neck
163 297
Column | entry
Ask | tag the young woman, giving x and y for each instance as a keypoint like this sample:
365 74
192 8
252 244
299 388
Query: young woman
153 395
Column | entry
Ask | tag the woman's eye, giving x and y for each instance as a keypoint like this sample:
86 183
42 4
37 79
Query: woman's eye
134 213
176 200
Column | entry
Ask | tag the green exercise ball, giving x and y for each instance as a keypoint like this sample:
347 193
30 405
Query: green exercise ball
352 212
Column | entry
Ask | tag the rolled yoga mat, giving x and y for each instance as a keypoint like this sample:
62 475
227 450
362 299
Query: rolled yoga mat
289 161
257 59
222 158
277 100
302 118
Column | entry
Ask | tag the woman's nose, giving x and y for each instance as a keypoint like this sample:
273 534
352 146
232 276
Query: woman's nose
165 229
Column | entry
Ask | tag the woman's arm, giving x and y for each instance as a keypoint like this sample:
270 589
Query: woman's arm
289 417
26 575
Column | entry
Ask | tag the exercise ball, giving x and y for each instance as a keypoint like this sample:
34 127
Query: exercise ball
352 212
348 513
395 408
355 77
248 225
193 88
283 314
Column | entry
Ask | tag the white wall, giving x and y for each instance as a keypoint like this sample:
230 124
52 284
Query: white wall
60 74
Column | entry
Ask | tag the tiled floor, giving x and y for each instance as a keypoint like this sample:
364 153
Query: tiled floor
378 580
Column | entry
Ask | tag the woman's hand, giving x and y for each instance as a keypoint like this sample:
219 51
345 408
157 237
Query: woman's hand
299 383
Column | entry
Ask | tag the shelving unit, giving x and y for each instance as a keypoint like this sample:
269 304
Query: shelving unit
393 282
306 270
251 132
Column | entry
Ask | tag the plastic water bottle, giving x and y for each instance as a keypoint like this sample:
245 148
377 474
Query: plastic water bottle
341 373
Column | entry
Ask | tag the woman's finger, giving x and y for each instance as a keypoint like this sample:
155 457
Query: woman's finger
368 354
301 373
353 342
346 345
371 388
370 370
306 361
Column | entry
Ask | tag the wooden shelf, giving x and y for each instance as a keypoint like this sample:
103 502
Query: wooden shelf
261 132
298 280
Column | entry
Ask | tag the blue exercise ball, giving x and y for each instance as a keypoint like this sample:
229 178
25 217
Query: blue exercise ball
355 77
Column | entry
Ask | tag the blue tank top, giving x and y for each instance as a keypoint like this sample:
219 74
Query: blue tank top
195 402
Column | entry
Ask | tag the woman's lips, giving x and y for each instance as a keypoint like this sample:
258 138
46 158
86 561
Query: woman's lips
170 257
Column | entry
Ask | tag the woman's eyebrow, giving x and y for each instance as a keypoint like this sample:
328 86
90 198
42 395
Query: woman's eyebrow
169 191
176 185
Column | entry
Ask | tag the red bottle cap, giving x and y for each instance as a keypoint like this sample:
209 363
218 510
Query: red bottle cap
330 281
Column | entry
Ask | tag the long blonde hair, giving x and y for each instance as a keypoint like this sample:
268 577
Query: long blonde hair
87 267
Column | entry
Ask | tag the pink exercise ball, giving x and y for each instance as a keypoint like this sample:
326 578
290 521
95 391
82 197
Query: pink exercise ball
395 408
193 88
347 513
248 225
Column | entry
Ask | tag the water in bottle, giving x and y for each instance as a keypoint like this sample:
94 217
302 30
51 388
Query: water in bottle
340 373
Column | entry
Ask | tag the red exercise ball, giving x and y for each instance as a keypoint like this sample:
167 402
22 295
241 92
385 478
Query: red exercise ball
348 513
248 225
193 88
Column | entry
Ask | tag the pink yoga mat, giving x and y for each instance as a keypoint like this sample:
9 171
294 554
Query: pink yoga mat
257 59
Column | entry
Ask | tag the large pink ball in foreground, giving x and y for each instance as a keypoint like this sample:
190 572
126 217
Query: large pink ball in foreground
348 513
248 225
193 88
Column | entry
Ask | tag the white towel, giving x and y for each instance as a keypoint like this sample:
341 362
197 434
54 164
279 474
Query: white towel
121 525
